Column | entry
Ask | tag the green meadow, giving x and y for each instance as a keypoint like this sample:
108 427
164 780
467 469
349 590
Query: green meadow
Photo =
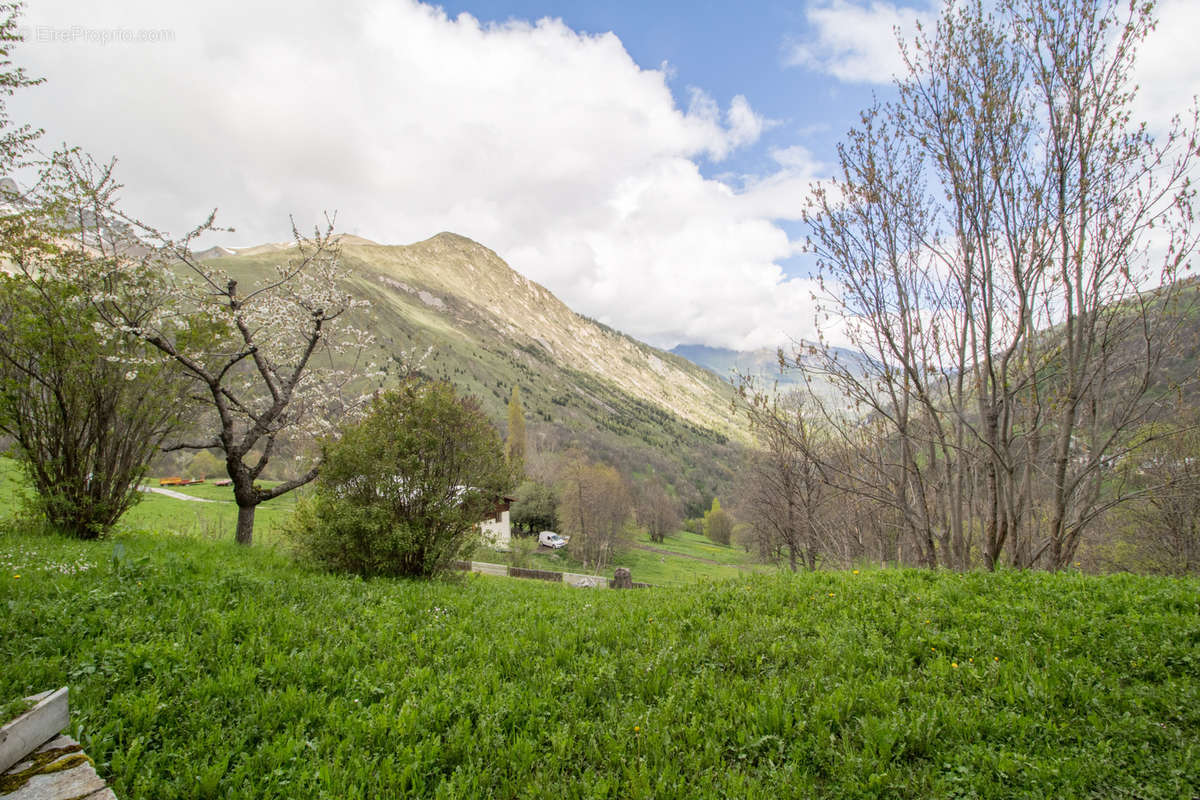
199 669
167 515
683 559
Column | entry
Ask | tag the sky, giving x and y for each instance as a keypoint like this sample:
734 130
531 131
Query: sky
646 162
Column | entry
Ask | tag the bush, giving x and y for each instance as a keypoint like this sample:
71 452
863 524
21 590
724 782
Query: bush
720 527
85 412
403 491
718 523
520 552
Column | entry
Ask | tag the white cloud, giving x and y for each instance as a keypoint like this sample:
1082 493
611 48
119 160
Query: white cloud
552 147
856 42
1168 71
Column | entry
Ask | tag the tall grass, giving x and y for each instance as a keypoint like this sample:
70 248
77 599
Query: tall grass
203 670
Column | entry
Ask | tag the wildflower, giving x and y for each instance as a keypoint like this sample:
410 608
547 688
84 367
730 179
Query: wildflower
16 576
855 572
954 664
995 658
637 729
831 594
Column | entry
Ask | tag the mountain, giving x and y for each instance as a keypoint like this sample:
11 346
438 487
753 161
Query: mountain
762 364
583 384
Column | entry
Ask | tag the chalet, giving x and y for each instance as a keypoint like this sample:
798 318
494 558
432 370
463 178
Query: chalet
497 528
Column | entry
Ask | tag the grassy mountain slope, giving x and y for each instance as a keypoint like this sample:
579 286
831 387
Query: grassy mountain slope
582 383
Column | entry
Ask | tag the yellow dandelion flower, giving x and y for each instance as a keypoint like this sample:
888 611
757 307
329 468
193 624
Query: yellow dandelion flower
831 594
995 658
16 576
855 572
637 729
954 664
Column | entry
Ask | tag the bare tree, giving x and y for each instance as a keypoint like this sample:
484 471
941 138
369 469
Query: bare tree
657 510
594 507
1003 243
784 492
1163 523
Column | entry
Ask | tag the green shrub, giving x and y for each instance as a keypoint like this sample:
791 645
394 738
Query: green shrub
718 523
85 412
403 491
520 552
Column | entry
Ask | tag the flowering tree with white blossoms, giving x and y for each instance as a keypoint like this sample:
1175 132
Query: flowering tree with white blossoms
272 361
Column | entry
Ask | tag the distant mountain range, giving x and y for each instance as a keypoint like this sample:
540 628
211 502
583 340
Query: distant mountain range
764 368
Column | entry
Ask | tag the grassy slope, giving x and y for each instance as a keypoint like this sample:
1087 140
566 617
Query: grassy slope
658 568
201 670
155 512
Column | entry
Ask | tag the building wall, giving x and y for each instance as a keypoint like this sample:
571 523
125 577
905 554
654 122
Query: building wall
497 534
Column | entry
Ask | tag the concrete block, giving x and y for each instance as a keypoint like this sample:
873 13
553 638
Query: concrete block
36 726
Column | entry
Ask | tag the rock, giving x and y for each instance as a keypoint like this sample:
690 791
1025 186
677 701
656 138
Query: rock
56 770
622 578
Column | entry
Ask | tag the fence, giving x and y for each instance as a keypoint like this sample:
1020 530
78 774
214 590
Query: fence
569 578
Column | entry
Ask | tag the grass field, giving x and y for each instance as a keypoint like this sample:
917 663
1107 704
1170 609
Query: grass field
163 514
677 567
201 670
216 520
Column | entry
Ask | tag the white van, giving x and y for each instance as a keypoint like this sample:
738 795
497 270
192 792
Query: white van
551 539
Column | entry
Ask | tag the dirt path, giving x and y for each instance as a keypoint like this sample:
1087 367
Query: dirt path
178 495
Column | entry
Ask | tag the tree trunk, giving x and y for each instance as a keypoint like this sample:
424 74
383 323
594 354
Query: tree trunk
245 524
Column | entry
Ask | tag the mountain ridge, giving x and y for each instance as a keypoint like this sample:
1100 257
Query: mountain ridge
447 269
